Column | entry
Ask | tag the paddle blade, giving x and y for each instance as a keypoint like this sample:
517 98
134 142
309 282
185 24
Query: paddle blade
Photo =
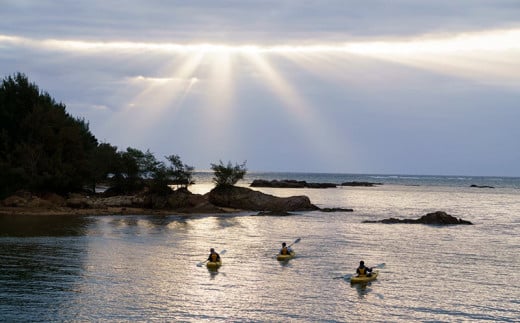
380 266
295 241
223 252
200 264
347 276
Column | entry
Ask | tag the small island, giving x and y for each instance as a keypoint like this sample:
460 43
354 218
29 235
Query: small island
50 163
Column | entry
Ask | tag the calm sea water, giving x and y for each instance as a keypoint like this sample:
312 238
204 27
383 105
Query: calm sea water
144 268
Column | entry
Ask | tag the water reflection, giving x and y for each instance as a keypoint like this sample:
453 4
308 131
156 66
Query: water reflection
284 263
38 273
213 272
144 268
42 225
362 289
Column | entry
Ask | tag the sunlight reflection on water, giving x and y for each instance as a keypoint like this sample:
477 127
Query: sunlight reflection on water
145 267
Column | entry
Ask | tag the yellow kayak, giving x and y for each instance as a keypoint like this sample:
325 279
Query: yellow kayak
286 257
364 279
214 264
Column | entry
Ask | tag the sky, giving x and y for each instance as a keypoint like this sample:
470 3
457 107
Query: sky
427 87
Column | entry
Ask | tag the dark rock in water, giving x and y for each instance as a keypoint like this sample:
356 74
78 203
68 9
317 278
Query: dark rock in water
321 185
435 218
355 183
336 209
441 218
273 213
248 199
481 186
289 183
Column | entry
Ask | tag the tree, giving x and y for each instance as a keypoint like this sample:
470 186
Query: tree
228 175
176 173
103 163
42 147
131 168
182 174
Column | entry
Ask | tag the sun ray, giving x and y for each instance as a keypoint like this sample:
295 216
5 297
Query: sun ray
219 101
304 115
211 72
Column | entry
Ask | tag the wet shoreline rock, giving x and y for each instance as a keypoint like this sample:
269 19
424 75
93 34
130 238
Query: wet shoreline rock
435 218
244 198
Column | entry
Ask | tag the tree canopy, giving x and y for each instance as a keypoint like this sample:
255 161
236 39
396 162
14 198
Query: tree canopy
43 148
228 175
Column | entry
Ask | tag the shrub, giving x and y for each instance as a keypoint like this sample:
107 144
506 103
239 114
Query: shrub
228 175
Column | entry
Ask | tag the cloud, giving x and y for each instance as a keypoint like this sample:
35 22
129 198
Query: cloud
258 21
427 87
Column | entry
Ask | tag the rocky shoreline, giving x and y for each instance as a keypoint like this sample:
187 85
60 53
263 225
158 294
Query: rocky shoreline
220 200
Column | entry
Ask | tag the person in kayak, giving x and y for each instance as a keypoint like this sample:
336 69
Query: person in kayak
286 250
362 270
213 255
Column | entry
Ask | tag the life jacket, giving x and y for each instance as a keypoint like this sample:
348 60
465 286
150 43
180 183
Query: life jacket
362 271
285 251
213 257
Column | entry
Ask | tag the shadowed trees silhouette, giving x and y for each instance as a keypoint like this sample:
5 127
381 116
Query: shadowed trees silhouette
44 149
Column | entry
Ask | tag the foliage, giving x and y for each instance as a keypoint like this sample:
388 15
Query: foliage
181 174
42 147
176 173
228 175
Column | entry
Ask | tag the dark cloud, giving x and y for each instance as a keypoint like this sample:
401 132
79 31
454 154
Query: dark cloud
252 21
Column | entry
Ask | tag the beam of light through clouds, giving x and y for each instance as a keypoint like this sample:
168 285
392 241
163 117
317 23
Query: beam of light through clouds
426 103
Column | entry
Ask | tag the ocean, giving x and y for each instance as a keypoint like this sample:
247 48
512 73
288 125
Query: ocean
144 268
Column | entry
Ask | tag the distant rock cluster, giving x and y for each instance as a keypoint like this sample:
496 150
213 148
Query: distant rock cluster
365 184
435 218
290 183
480 186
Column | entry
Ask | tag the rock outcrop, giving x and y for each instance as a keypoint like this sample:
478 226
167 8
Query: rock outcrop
335 209
290 183
183 200
365 184
435 218
247 199
219 200
27 199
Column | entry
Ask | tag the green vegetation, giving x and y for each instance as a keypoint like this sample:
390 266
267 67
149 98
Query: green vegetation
44 149
41 146
228 175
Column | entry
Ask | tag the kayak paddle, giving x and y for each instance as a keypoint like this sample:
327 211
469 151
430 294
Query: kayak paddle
346 276
203 262
295 241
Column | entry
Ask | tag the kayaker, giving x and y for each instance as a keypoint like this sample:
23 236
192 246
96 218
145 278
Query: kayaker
362 270
213 255
286 250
